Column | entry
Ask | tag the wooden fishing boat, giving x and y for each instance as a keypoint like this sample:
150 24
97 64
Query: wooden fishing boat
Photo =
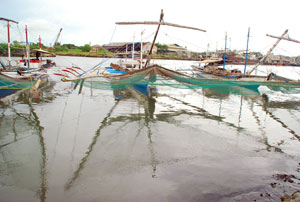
156 75
36 63
16 78
26 63
212 71
9 85
127 66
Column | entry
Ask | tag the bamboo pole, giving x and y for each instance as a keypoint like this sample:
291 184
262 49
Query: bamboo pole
159 23
283 38
247 51
150 52
269 52
8 38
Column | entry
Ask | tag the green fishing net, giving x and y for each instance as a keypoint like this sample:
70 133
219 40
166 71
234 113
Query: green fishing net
159 76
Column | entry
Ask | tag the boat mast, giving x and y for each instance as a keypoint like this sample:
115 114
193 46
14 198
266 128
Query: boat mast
225 51
247 51
141 66
8 39
27 48
132 56
157 23
269 52
150 52
206 55
40 42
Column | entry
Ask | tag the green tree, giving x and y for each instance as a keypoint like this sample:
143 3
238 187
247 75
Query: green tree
161 48
61 49
70 46
85 48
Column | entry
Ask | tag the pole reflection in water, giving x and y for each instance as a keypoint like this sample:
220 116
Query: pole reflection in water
149 107
81 165
23 156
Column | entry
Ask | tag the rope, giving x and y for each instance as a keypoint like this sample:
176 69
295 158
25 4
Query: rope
105 60
102 60
109 42
20 33
183 41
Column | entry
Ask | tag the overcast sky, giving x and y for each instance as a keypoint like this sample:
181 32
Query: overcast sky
93 21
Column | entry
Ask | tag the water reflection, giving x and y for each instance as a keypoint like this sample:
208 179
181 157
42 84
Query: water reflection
144 98
23 150
285 105
105 122
169 140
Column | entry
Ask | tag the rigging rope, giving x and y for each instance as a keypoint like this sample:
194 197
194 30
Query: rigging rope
102 60
184 41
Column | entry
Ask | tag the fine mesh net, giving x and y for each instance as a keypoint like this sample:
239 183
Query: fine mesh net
10 83
159 76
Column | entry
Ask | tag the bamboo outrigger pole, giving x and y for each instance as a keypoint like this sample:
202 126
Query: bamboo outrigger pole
8 38
284 38
269 52
157 23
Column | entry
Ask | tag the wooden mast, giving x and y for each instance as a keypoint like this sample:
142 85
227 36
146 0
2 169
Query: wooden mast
247 50
269 52
27 49
157 23
150 52
225 51
8 38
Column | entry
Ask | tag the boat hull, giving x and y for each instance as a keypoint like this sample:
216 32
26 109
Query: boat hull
9 85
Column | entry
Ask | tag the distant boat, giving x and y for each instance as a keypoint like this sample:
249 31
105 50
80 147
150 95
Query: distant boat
212 71
36 63
13 78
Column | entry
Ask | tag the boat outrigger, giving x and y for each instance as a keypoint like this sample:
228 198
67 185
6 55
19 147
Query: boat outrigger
158 75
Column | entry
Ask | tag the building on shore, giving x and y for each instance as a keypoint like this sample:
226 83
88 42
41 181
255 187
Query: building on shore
96 48
128 47
178 50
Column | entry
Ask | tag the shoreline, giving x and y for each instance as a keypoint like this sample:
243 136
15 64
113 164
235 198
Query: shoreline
157 58
170 58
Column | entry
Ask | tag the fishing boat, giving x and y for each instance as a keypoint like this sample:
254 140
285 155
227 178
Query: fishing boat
212 70
156 75
125 74
36 63
9 85
26 63
14 78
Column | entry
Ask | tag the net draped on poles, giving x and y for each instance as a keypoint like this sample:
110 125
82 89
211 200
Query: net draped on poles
156 75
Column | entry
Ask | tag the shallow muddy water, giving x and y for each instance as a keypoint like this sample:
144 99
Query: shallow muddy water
177 145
